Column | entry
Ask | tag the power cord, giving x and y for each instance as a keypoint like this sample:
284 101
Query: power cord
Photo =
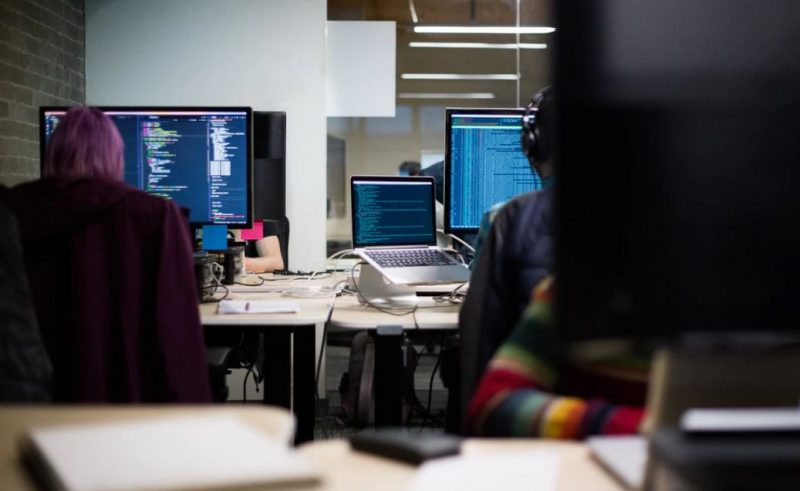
380 308
454 297
216 282
430 386
457 238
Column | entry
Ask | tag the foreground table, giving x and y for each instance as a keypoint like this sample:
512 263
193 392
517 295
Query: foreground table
346 470
16 420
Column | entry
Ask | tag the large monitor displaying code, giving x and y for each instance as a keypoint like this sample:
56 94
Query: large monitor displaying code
390 211
199 157
484 164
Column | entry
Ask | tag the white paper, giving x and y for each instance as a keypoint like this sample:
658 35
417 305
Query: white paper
168 453
258 307
519 470
624 456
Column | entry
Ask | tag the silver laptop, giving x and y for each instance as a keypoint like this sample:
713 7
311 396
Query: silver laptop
394 230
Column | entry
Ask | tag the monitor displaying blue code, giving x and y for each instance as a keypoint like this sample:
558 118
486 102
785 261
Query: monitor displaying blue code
199 158
393 212
485 164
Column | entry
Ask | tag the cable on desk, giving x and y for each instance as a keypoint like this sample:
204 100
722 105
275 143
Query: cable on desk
453 297
215 283
263 280
378 307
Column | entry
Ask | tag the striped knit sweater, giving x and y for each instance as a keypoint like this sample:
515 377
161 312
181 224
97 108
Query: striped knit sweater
516 396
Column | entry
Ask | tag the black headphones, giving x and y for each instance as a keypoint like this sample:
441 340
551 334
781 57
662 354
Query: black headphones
533 144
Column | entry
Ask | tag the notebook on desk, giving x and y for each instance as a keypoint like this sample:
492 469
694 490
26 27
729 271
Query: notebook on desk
394 230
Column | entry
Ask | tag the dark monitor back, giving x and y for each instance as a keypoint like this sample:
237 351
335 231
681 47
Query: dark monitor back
269 165
679 164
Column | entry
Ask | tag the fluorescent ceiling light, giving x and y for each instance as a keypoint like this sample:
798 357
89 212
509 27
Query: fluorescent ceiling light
425 44
458 76
444 95
483 30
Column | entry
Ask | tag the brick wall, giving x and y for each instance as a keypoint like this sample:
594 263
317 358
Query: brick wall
42 62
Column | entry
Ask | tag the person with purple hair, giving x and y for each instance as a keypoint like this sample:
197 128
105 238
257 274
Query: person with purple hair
111 274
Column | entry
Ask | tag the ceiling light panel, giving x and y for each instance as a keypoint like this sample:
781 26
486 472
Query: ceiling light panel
483 30
426 44
458 76
446 95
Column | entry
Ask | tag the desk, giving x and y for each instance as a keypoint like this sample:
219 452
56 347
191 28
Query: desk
288 346
343 469
428 316
16 420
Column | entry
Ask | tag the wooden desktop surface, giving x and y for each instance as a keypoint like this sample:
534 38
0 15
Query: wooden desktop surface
313 310
343 469
349 314
16 420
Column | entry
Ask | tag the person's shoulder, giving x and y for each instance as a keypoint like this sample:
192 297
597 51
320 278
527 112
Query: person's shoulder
531 198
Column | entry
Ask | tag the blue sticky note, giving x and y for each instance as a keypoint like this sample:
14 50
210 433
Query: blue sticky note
215 237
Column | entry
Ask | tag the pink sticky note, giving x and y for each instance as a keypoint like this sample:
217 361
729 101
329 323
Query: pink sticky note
255 233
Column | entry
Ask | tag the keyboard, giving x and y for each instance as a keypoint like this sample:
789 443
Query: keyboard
403 258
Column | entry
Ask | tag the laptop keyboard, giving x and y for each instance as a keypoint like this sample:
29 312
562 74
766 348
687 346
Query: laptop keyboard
402 258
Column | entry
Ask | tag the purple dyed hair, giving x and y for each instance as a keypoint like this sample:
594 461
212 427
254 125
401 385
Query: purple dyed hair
86 143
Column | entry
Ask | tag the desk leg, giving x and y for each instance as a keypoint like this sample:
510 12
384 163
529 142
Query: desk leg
304 383
277 367
388 376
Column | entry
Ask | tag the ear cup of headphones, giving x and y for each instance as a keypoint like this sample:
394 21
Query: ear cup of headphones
532 142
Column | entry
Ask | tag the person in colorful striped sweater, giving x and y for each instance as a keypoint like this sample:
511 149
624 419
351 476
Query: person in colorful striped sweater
531 389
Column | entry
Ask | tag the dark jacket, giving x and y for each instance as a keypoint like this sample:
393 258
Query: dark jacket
516 255
24 364
112 279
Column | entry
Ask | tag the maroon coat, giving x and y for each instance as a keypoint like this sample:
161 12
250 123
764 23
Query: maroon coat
112 280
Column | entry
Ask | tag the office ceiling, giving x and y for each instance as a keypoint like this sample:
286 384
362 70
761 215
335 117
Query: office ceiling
534 64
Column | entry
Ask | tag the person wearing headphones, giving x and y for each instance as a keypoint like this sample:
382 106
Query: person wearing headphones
531 387
514 252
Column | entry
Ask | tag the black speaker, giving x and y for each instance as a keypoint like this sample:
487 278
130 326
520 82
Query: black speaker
269 165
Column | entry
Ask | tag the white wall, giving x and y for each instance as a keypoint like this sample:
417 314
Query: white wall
268 54
360 73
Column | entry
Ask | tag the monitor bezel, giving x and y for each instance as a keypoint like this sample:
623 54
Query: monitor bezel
246 109
353 180
449 112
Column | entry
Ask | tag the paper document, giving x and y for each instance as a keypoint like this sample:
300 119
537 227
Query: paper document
258 307
171 453
625 457
519 470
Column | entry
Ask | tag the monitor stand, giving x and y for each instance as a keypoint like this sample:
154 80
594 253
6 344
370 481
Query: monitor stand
380 292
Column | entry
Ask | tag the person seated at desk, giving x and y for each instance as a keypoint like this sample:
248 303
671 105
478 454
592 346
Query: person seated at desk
514 252
111 274
263 255
519 393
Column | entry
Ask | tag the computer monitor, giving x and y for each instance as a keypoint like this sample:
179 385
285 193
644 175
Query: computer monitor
484 164
679 158
201 157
